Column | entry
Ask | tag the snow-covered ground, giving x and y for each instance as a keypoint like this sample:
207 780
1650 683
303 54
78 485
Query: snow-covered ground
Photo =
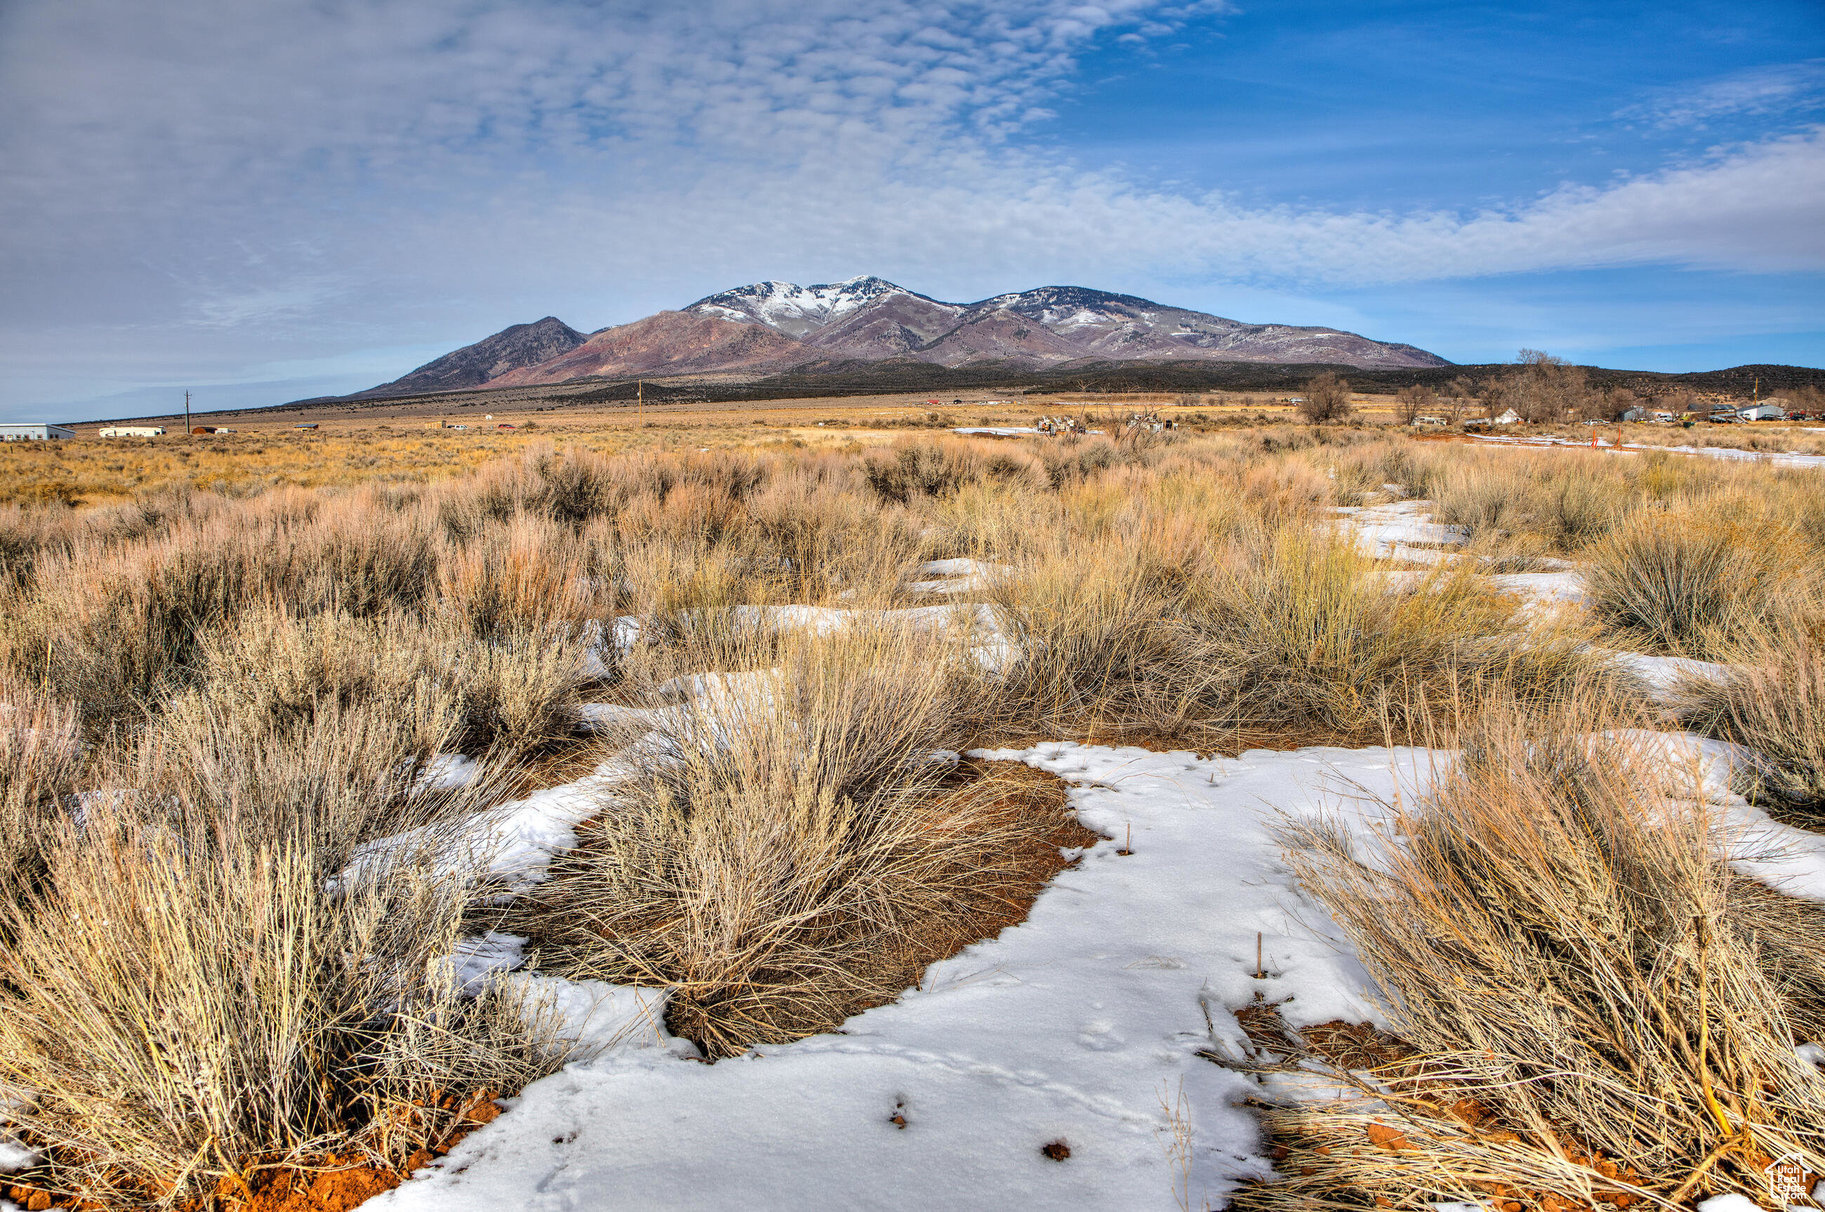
1776 458
1402 530
1081 1025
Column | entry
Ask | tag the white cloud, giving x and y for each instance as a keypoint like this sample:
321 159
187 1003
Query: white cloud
1781 88
361 173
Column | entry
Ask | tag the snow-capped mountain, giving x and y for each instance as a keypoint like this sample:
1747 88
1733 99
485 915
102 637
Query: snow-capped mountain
869 318
767 327
796 310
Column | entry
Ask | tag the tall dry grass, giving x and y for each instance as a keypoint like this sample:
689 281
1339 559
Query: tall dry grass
1263 635
1772 700
1592 1002
1683 582
782 842
216 976
41 756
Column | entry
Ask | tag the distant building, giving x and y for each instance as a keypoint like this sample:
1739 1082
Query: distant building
1767 410
1508 417
34 431
133 431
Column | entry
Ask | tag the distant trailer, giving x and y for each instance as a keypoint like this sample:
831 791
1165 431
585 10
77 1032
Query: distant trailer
305 425
133 431
209 429
34 431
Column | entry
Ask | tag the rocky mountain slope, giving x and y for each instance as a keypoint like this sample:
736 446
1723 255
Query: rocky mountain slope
666 343
488 359
868 318
769 327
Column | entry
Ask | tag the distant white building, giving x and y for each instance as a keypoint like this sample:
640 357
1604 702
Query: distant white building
133 431
1508 417
34 431
1767 410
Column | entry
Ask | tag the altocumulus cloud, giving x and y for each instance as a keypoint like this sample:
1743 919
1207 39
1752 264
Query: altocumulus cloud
297 173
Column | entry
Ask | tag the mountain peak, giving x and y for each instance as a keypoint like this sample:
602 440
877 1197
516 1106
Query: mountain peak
793 309
513 347
776 325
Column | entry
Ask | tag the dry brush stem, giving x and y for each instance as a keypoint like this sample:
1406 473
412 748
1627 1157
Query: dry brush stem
785 838
1565 948
1772 700
185 1006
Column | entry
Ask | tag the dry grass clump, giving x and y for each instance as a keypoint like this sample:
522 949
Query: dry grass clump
1772 700
1259 635
785 842
1562 499
1309 641
204 986
1595 1005
924 467
40 757
522 575
1681 582
434 681
1097 647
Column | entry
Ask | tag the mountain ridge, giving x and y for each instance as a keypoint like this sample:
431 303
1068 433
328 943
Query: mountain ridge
773 327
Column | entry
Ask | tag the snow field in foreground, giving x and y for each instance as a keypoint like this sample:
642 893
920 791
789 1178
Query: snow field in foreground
1083 1024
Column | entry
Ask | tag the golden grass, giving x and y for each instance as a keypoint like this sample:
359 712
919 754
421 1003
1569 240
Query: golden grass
259 681
1592 1003
205 985
786 841
1772 699
1682 583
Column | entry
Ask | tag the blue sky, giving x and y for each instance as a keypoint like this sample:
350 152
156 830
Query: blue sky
260 202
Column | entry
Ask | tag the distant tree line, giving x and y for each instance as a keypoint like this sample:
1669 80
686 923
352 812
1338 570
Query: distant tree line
1537 386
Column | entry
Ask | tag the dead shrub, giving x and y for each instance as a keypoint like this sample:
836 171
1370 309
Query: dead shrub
1594 1002
1673 583
786 835
1772 700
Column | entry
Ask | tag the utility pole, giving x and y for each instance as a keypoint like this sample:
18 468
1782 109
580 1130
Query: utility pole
186 414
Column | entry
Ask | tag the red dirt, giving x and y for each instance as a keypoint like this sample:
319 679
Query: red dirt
331 1183
1359 1046
338 1183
